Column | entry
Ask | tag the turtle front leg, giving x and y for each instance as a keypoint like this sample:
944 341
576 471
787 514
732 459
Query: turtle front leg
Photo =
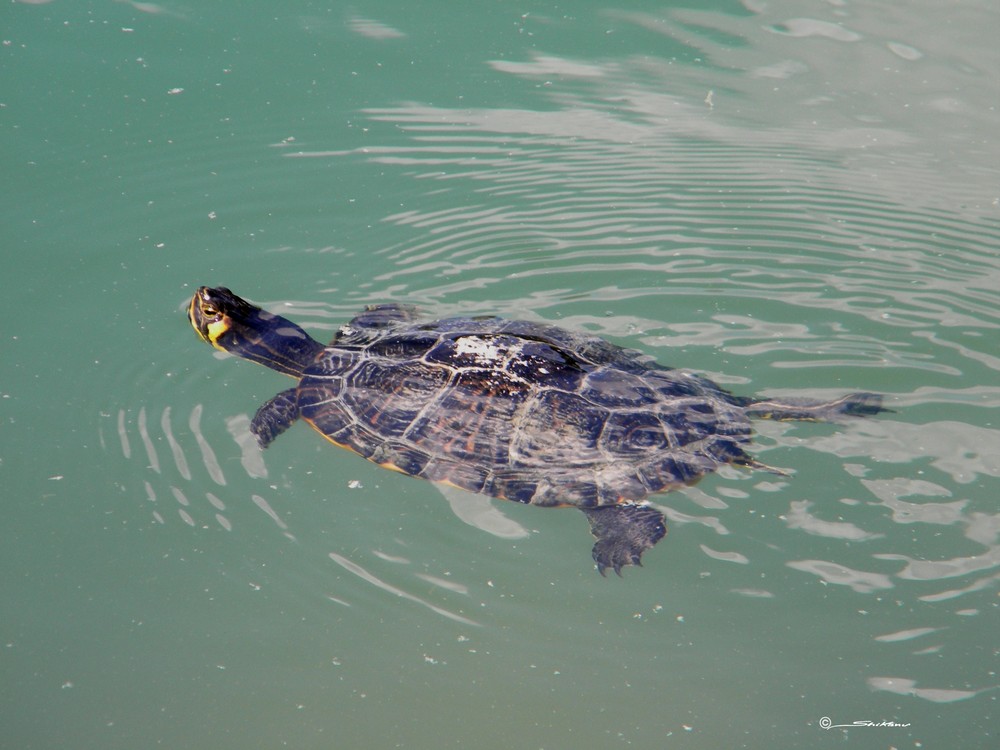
623 533
275 416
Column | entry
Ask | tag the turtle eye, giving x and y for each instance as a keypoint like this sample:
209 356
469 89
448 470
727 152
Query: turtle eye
209 310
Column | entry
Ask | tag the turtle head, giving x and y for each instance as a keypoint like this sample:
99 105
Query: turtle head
232 324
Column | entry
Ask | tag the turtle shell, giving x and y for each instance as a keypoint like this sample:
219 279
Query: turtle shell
518 410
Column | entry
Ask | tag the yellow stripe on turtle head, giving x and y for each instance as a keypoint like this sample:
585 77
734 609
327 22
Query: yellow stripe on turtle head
194 315
209 332
214 330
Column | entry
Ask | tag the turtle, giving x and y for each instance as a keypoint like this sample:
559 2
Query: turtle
514 409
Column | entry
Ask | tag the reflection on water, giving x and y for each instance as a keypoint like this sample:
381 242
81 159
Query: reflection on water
250 456
936 570
979 527
962 451
909 687
198 508
864 582
264 506
180 462
193 512
396 591
799 517
479 511
207 454
589 205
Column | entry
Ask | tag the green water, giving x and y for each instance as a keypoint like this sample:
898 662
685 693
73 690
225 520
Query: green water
795 199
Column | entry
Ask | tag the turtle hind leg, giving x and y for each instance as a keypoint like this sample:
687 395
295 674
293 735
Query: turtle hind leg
274 417
623 533
852 405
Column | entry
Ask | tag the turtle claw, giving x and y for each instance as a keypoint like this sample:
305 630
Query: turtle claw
607 557
623 533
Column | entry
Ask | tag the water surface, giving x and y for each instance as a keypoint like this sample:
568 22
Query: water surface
796 201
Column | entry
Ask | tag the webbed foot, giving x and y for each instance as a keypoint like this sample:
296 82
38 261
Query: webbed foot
623 533
274 417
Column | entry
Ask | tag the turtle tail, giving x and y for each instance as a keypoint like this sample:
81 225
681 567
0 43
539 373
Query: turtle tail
852 405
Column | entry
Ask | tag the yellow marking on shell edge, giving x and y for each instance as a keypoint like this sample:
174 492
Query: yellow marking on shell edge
392 467
449 483
387 465
339 445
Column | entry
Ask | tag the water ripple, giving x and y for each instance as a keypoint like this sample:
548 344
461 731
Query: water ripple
573 195
353 567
